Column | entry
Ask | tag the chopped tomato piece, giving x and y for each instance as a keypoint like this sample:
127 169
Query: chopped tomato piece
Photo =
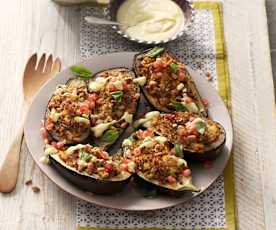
84 108
181 131
159 65
124 167
111 87
192 130
181 76
108 167
92 97
147 133
91 104
126 86
90 168
54 144
171 180
187 172
104 155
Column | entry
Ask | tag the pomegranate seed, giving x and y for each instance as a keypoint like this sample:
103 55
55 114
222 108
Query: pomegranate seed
205 101
108 167
90 168
84 108
187 172
60 144
208 76
171 179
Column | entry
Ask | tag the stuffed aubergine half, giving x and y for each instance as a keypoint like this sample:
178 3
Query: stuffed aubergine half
117 96
91 168
194 137
68 111
168 85
157 164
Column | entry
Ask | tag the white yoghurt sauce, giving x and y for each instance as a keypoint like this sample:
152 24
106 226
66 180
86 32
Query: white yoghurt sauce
151 20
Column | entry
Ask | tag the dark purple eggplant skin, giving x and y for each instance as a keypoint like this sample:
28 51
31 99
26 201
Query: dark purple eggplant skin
57 138
146 185
110 69
90 184
209 154
138 57
107 146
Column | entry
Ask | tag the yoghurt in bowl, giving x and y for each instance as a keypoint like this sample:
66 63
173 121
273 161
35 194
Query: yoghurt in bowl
151 21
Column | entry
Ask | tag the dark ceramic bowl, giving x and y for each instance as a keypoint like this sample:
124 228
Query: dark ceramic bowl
184 5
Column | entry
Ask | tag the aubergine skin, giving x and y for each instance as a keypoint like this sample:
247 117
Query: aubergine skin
209 154
151 100
84 137
140 182
90 184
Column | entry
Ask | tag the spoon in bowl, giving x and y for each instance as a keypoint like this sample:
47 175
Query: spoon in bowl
101 21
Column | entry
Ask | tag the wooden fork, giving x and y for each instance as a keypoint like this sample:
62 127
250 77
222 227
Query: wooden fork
36 73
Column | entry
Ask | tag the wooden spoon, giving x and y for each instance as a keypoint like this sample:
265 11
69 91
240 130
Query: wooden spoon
36 73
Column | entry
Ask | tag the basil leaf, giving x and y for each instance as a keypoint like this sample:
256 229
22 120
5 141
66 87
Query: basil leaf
178 150
178 106
173 67
130 138
85 156
117 95
81 71
154 52
200 127
110 136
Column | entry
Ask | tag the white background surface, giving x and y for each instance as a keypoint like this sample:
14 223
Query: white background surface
40 26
